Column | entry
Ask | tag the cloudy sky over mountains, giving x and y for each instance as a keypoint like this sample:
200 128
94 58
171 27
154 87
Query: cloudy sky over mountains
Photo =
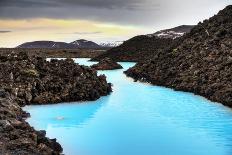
97 20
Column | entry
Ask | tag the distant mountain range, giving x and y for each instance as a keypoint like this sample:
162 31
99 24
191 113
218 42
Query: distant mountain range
82 43
75 44
140 47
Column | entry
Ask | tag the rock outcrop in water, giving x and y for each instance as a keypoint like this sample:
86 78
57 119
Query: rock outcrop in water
33 80
200 62
106 64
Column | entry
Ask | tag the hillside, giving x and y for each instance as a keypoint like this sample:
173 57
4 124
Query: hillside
140 47
201 62
133 49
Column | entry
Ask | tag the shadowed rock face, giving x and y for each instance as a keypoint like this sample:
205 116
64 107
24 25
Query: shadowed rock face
107 64
141 47
200 62
33 80
136 49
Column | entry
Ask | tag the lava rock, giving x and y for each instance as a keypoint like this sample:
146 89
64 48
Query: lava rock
26 80
107 64
33 80
199 62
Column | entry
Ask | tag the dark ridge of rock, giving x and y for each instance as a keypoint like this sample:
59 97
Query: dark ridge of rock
16 135
36 81
136 49
106 64
200 62
141 47
33 80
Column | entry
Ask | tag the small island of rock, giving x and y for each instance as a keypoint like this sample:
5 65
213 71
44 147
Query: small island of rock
107 64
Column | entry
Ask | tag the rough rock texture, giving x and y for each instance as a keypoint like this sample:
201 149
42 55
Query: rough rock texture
136 49
16 135
106 64
200 62
33 80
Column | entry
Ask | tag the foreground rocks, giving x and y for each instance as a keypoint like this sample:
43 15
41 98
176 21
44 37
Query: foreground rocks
107 64
16 135
33 80
200 62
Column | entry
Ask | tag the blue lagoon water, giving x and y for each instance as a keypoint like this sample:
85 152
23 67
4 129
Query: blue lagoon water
137 119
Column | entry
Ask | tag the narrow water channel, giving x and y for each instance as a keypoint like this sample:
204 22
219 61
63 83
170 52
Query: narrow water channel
137 119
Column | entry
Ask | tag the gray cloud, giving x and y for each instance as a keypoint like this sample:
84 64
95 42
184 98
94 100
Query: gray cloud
149 13
109 4
5 31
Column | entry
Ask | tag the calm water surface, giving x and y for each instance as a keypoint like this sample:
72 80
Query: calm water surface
137 119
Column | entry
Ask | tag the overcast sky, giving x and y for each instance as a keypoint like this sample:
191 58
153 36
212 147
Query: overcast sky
97 20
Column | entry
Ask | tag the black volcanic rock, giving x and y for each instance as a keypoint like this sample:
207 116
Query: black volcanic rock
200 62
35 80
107 64
16 135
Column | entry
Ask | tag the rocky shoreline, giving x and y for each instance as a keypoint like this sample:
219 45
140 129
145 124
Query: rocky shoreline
29 80
16 135
200 62
106 64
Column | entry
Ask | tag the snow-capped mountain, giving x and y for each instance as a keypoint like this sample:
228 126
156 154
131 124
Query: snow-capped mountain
82 43
173 33
111 44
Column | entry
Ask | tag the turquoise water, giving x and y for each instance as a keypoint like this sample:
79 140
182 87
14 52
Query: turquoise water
137 119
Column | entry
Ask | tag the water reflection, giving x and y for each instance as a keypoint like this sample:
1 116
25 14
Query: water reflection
66 115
